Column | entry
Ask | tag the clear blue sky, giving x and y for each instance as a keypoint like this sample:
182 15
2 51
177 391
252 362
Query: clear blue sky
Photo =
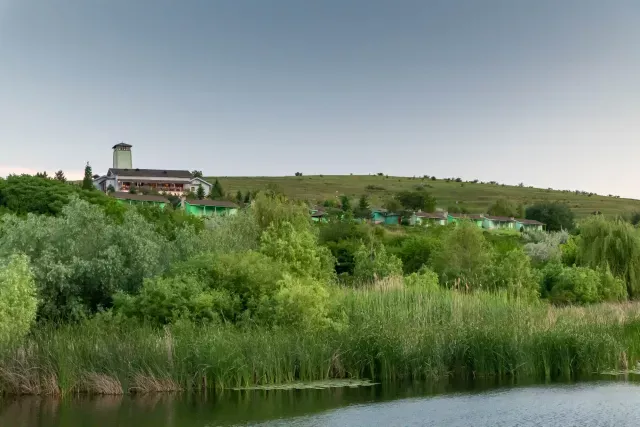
544 92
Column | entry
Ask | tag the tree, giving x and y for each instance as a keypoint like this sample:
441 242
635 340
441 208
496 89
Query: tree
506 207
42 175
392 205
363 211
345 203
200 193
196 173
247 197
216 192
87 181
239 196
614 245
111 189
60 176
373 262
556 216
417 200
465 256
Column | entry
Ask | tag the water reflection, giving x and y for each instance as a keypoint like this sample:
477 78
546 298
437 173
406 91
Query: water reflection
341 406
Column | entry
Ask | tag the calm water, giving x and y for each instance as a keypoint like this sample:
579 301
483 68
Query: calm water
586 404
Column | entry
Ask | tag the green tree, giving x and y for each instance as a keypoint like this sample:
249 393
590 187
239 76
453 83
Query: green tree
196 173
216 192
239 197
613 245
87 181
417 200
506 207
465 256
392 205
513 272
111 189
363 211
60 176
42 175
247 197
556 216
18 303
200 193
373 263
345 203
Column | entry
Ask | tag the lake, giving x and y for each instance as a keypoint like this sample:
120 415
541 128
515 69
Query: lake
582 404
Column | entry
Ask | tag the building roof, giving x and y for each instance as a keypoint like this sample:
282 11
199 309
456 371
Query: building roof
433 215
466 216
123 145
154 173
500 218
140 197
529 221
318 214
215 203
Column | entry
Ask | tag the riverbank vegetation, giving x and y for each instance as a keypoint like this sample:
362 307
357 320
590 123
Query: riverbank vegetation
101 298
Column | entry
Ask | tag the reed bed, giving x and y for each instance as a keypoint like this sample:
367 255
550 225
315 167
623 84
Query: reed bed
385 334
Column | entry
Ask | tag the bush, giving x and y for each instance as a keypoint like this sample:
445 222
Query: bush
576 285
465 256
513 273
301 302
374 263
416 252
81 258
423 279
298 250
18 303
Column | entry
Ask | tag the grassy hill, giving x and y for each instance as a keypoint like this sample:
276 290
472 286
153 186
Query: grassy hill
475 197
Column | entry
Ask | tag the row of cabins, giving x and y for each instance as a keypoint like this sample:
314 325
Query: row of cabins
203 207
490 222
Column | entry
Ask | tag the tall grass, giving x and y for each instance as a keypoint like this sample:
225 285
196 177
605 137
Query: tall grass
388 334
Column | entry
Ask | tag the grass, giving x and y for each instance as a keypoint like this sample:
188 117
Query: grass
475 197
388 334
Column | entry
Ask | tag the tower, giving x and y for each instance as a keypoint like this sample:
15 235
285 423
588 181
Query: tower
122 156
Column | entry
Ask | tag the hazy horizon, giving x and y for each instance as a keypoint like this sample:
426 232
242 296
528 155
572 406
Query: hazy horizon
543 93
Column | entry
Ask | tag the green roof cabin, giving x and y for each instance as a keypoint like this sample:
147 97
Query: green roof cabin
141 199
428 218
208 207
477 219
529 225
498 222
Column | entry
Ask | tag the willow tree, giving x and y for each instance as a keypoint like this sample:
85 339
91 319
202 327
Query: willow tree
611 244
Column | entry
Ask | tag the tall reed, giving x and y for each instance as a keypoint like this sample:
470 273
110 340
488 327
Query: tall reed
386 334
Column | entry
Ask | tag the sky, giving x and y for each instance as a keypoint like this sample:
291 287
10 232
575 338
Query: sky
543 92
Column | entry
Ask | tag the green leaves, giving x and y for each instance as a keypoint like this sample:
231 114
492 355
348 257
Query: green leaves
18 301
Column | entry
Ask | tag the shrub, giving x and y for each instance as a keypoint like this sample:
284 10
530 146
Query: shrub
18 303
576 285
513 273
373 263
301 302
417 251
423 279
465 256
506 207
298 250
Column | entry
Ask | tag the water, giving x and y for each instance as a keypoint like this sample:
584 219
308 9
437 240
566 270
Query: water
585 404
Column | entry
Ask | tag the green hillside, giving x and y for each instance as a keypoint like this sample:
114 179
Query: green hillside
475 197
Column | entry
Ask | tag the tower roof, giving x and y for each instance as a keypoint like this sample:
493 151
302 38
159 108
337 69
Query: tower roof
123 145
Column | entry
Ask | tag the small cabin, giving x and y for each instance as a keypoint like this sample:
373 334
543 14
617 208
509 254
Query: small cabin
141 199
208 207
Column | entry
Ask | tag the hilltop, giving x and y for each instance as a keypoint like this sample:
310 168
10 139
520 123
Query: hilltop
476 197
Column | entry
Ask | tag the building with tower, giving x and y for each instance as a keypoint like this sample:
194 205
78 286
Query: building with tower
122 177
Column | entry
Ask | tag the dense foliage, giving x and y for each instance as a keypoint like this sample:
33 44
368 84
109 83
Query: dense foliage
18 301
556 216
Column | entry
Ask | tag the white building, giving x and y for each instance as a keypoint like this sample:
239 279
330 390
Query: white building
122 177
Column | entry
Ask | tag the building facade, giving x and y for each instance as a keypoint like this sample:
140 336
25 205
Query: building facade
122 177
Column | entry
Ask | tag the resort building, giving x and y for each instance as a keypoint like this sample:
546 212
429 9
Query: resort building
122 177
